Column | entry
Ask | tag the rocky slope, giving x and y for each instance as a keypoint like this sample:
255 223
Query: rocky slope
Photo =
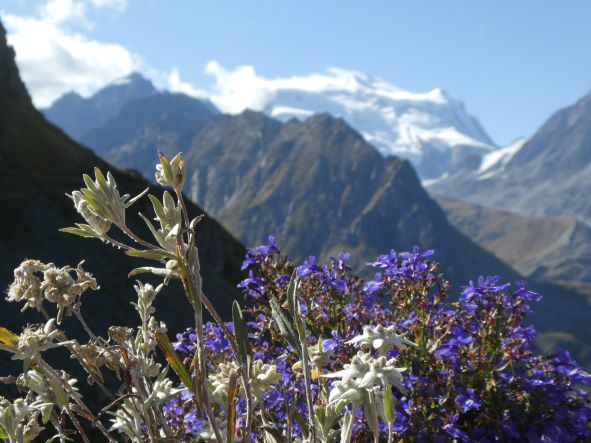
550 174
545 248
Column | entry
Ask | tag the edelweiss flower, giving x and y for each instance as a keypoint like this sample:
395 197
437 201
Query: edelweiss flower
382 339
35 340
262 376
26 285
364 373
162 390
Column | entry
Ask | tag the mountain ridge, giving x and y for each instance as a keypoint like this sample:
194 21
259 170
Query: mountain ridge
548 175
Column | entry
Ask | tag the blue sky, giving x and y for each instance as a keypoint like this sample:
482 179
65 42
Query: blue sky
512 63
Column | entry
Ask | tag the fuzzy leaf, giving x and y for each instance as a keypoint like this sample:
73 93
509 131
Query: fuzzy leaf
3 434
58 392
141 270
233 390
152 254
158 208
371 413
153 230
8 337
136 198
272 436
285 325
82 232
241 333
292 294
173 359
389 404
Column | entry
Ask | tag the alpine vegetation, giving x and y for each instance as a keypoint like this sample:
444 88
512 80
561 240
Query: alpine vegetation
317 355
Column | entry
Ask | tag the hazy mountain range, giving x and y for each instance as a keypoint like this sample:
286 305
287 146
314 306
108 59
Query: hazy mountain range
548 248
432 130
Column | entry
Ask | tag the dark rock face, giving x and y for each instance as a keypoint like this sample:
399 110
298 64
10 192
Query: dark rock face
77 115
550 174
38 165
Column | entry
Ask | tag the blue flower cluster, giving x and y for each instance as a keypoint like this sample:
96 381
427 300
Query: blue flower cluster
473 376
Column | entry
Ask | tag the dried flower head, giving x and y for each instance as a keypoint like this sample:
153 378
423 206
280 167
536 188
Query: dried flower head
58 286
27 285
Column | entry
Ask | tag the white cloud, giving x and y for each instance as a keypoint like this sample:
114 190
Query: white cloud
53 61
119 5
175 84
239 89
62 11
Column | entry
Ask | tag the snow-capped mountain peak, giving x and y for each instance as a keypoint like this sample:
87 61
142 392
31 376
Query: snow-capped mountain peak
495 161
431 129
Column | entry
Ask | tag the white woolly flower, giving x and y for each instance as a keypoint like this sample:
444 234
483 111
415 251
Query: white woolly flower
382 339
19 420
262 376
26 286
33 341
365 381
364 373
162 390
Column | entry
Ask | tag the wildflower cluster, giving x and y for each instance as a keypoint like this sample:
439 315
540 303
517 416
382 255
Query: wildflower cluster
464 370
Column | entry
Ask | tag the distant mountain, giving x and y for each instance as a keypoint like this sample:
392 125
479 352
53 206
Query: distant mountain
77 115
432 130
38 165
543 248
130 138
549 174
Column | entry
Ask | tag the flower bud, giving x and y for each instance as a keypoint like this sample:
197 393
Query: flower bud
171 173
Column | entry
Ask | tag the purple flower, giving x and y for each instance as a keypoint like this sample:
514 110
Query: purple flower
257 255
309 267
457 433
341 261
468 400
253 285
